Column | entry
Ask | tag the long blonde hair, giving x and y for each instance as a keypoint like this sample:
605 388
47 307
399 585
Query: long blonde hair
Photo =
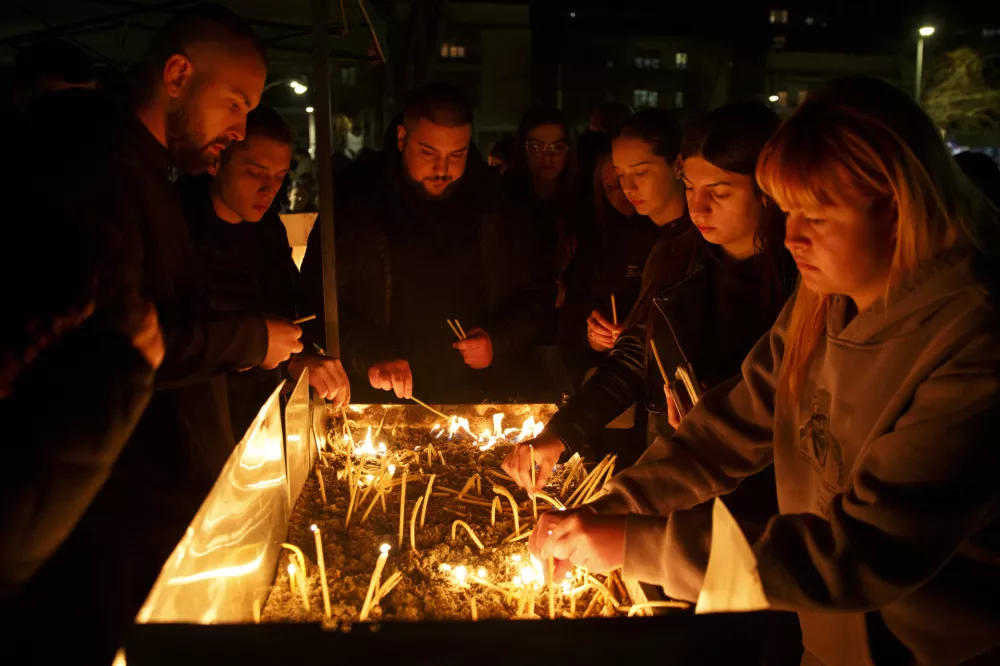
864 135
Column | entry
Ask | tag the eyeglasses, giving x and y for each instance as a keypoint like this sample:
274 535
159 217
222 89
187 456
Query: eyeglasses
558 148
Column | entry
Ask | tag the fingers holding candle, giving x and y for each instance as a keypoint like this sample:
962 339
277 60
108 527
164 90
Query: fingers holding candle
580 537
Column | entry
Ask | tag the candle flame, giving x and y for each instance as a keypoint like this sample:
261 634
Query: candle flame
445 567
461 573
515 558
314 528
384 548
291 569
481 572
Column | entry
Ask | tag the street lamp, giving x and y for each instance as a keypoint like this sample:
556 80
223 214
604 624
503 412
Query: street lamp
925 31
297 87
773 98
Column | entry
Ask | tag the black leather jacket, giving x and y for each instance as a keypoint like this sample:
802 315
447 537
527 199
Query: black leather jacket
677 311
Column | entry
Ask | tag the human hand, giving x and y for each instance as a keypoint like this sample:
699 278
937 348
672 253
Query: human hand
601 333
148 338
476 350
326 375
392 376
579 537
673 415
282 341
517 464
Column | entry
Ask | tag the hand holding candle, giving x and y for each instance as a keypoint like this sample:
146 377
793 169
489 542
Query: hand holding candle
476 350
579 537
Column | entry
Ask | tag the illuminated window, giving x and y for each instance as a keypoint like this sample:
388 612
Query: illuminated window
349 76
810 20
779 16
779 42
679 99
681 60
642 98
452 51
783 98
803 94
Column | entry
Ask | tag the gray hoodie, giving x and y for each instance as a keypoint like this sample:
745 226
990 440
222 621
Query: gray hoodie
888 543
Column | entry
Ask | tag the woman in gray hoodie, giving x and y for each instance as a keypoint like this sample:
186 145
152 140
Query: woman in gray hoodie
875 395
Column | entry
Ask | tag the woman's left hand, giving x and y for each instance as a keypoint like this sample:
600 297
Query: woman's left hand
579 537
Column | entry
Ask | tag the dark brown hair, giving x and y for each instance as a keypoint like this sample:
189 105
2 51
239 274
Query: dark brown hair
440 103
731 138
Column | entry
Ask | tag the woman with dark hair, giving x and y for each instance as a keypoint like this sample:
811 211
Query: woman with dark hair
875 398
706 298
541 179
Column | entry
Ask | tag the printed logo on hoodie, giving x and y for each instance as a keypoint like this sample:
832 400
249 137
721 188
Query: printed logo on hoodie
819 446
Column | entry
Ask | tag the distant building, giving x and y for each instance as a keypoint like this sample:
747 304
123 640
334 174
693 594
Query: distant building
792 75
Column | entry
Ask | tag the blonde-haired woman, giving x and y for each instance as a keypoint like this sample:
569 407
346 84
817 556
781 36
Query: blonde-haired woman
876 395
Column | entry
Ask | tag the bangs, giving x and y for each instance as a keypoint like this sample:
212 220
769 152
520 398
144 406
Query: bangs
811 167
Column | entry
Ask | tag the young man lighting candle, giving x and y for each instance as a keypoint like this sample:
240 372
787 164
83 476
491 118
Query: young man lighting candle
244 248
875 394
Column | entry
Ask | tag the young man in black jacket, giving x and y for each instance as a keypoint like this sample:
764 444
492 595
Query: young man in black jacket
203 73
244 246
424 236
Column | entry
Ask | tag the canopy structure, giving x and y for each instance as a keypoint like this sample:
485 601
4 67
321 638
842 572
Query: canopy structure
300 37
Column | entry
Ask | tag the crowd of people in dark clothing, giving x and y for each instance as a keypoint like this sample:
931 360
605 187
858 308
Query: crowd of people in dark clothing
796 317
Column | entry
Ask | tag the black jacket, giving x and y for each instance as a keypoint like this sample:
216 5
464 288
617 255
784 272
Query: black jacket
66 421
681 282
110 168
469 257
250 270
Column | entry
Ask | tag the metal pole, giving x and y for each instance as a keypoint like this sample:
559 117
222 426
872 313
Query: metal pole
321 112
919 84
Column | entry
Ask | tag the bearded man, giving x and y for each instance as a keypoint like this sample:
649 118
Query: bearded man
115 167
425 235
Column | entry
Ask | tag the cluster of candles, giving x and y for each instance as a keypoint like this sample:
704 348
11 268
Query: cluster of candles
368 472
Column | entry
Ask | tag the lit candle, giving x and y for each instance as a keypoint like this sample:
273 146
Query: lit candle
475 615
322 570
292 573
297 553
376 575
256 611
497 504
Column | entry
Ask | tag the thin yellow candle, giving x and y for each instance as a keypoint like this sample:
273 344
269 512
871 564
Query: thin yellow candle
500 490
475 614
552 589
322 488
614 310
468 529
292 573
322 570
256 611
497 504
297 553
376 575
461 330
402 506
413 524
534 503
427 500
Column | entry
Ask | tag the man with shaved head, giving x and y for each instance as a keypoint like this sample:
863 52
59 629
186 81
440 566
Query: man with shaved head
203 73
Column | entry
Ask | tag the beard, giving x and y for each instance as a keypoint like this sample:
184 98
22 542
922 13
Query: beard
187 142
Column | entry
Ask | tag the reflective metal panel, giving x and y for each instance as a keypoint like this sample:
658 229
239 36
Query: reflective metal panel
227 558
299 448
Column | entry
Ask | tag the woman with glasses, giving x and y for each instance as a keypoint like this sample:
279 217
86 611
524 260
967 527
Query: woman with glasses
541 179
